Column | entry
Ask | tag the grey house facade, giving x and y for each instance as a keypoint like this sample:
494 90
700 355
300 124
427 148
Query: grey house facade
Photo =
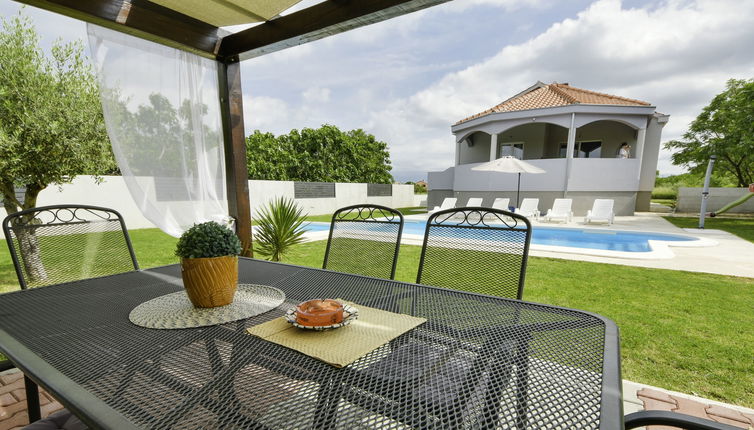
573 134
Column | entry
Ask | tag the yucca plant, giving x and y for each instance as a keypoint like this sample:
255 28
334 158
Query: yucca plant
280 226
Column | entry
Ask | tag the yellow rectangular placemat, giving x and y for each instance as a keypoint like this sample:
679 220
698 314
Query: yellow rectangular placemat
342 346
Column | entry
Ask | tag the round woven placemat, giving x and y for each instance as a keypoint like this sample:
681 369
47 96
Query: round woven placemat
175 310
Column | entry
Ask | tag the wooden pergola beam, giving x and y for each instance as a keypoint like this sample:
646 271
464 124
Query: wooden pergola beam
144 19
313 23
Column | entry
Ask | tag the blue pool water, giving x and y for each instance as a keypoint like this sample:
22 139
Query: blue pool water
610 240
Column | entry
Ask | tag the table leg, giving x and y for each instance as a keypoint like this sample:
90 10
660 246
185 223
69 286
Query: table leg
32 400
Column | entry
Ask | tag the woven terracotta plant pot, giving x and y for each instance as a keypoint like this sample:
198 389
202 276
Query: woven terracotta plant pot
210 282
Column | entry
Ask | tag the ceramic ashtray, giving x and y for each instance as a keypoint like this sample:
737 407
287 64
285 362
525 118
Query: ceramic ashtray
321 314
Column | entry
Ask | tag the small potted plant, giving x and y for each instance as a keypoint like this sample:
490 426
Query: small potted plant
209 264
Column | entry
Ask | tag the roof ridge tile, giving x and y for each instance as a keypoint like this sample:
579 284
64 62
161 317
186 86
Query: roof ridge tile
541 96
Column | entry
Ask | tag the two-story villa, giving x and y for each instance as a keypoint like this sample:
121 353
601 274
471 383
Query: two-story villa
573 134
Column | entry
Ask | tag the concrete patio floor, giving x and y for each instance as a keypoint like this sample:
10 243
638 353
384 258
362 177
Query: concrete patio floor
731 256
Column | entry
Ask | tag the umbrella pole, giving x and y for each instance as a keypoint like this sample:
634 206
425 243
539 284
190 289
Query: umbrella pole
518 188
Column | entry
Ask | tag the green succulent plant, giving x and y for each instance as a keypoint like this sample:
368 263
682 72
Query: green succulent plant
208 239
280 226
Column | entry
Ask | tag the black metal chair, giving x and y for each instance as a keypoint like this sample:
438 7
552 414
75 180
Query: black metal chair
673 419
364 240
468 249
63 243
476 249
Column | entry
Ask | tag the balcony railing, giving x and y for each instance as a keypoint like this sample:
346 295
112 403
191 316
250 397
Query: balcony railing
595 174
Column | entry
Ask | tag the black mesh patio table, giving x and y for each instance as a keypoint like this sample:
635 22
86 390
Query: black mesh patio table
478 361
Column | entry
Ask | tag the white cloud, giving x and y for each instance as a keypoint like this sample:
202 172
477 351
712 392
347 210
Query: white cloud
264 113
507 5
676 56
316 95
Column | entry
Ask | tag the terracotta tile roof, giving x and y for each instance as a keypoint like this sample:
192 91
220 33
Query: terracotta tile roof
551 95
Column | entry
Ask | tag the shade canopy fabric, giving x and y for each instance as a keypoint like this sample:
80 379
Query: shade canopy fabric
509 164
162 112
228 12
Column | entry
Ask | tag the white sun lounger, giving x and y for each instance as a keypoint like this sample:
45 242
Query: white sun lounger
529 208
448 203
474 202
501 203
602 210
561 210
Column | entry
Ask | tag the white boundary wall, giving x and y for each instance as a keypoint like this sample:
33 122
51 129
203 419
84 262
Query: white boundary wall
112 193
690 200
262 192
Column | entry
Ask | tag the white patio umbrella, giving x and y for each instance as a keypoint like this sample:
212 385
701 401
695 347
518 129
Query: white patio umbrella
510 164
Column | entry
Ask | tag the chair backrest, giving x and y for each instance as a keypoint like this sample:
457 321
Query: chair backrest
529 205
364 240
448 203
475 201
602 208
481 250
562 206
63 243
501 203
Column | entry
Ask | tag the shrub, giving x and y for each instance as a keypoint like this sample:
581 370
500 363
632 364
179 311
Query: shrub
666 192
208 239
279 228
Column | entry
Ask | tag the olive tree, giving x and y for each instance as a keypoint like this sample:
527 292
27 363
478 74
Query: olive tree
51 123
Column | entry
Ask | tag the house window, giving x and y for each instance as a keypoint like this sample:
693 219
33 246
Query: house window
511 149
586 149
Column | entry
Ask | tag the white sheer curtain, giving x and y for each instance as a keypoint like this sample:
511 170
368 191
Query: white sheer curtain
162 114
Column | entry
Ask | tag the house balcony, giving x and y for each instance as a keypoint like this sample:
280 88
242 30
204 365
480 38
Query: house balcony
589 178
587 174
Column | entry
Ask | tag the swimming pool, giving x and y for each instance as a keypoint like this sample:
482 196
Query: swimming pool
581 238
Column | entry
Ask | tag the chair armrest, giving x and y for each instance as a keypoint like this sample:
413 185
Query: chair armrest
6 365
667 418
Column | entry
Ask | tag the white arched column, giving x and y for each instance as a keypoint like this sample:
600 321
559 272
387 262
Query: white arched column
493 146
569 153
641 136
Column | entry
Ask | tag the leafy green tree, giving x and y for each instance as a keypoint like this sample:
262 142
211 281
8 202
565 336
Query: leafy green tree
724 128
51 123
326 154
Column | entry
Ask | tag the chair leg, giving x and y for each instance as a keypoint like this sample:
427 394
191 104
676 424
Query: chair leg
32 400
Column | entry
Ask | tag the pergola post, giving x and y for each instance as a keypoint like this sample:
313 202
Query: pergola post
236 170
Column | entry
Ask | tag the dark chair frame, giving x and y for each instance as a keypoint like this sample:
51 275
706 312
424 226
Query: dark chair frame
673 419
366 213
477 218
61 215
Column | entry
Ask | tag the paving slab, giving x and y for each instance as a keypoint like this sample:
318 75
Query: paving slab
655 398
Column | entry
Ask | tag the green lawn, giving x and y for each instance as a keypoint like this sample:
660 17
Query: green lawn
666 202
741 227
683 331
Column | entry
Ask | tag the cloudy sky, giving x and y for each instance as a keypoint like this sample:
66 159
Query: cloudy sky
408 79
